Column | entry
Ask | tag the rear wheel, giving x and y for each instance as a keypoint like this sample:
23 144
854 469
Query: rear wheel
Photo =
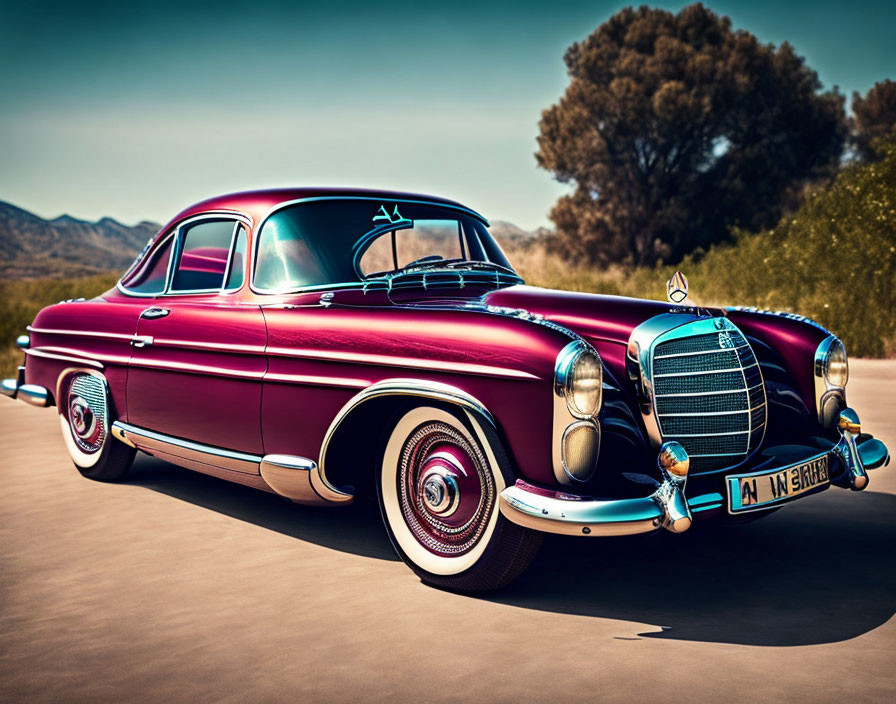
85 418
439 483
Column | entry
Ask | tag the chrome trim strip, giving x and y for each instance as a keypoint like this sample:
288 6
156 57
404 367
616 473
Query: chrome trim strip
713 413
149 440
710 371
697 354
41 352
170 366
393 361
389 387
711 393
707 435
81 333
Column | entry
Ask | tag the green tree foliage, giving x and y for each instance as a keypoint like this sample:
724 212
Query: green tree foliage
674 128
874 117
833 260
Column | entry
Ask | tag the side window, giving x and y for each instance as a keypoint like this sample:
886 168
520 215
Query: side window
237 271
151 275
283 259
204 249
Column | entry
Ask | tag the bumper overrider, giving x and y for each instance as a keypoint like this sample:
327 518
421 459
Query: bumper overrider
668 507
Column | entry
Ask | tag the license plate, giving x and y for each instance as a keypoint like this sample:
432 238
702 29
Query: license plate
748 492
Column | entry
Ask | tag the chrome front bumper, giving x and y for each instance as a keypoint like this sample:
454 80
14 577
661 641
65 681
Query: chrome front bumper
667 507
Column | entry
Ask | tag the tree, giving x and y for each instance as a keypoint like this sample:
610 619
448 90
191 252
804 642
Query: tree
675 128
874 117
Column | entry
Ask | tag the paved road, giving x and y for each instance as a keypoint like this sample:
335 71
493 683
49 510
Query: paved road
177 587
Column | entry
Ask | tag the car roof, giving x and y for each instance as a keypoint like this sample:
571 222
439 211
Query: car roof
256 204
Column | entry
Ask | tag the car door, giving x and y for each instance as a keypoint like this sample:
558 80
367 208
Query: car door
199 355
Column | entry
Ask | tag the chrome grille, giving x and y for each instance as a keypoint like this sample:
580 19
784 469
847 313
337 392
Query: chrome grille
708 393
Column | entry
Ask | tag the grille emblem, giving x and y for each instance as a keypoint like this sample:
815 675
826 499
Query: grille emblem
725 340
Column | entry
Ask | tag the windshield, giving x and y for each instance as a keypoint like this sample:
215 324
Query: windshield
335 241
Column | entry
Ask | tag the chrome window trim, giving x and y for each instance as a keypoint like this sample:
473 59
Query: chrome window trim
176 232
343 284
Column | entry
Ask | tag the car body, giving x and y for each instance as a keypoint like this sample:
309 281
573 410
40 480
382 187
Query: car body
295 341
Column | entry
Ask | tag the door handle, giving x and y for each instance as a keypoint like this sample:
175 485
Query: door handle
140 340
151 313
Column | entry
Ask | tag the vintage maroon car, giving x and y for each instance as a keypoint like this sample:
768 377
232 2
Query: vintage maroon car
326 344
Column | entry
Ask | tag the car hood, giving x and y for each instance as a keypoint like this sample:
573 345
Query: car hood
605 321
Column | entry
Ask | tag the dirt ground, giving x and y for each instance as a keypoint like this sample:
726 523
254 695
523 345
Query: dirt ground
177 587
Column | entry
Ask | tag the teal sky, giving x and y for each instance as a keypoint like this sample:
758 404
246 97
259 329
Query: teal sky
137 109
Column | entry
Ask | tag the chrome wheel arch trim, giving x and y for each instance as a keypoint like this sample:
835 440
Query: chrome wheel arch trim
416 388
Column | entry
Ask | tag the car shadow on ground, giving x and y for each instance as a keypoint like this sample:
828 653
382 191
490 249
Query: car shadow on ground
818 571
356 529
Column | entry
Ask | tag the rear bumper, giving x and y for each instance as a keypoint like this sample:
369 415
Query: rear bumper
29 393
569 514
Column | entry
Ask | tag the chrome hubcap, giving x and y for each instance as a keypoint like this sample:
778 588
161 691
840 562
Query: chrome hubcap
87 412
446 490
83 419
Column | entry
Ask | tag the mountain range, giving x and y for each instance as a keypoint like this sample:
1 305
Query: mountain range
32 247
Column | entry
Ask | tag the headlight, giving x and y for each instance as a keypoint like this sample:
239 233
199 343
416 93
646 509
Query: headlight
836 371
831 375
579 379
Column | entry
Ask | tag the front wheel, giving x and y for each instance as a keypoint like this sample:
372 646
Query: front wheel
439 483
86 421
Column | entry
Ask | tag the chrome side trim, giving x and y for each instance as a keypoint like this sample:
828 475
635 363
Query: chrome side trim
290 476
393 361
40 352
389 387
150 441
33 394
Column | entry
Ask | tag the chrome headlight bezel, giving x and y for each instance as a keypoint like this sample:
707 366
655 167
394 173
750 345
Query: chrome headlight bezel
579 364
830 385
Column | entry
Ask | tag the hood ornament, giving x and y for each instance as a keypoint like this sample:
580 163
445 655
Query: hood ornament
677 287
383 214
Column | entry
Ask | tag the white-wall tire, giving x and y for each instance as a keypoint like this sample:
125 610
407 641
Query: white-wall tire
96 454
481 550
